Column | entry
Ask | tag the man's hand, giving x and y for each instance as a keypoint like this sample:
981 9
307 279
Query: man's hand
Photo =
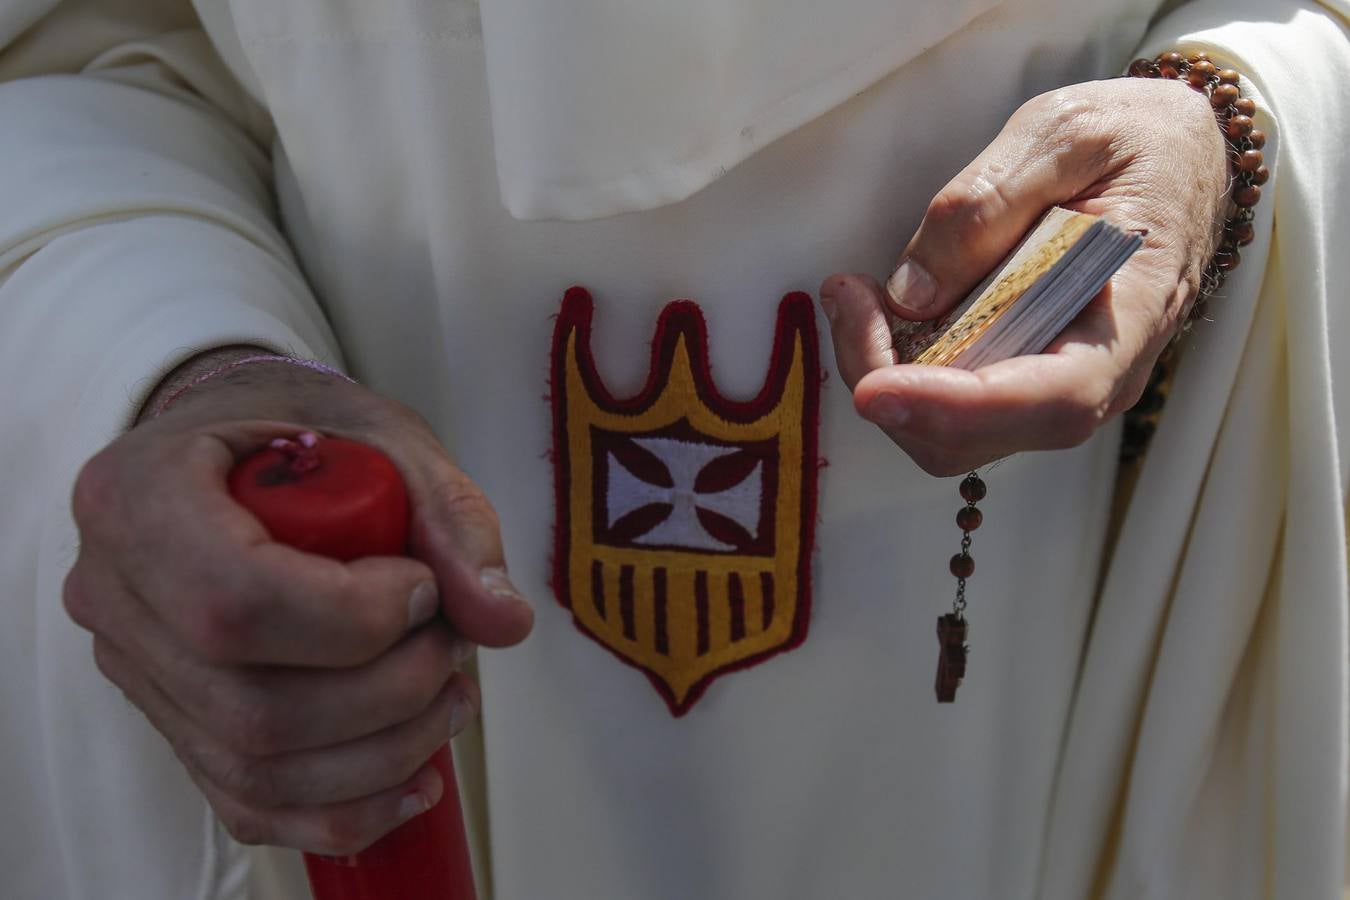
303 695
1148 155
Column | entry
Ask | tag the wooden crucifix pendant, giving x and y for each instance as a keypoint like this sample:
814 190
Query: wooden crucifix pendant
951 667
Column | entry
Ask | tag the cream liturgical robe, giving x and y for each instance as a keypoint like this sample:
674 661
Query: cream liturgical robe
410 187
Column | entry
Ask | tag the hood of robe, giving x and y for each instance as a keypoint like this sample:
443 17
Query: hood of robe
601 107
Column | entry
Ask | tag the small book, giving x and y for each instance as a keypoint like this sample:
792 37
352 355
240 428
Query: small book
1028 299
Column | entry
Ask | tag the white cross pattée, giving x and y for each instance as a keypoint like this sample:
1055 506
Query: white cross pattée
684 460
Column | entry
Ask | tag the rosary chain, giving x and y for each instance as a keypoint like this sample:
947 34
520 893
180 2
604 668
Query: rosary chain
972 491
959 605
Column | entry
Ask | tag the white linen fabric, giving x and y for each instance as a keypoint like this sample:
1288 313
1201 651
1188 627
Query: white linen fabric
1184 736
693 88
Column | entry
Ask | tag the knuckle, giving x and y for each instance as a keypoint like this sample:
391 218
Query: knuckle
254 726
962 208
1061 107
416 695
426 672
399 759
96 494
967 207
245 826
412 700
105 660
405 757
77 599
1130 394
248 779
219 625
1058 115
1069 128
948 205
467 691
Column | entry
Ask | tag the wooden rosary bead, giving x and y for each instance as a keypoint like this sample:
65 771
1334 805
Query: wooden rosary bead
1243 233
1250 161
1245 106
973 489
1228 259
1199 56
1257 138
963 565
1228 76
1204 69
968 518
1239 126
1247 195
1141 68
1223 96
1260 176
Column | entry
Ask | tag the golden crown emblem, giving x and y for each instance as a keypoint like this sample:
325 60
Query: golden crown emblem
685 520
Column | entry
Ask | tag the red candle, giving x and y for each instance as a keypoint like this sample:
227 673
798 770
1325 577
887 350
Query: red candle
344 499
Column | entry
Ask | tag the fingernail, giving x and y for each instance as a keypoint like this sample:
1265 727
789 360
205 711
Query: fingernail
498 584
888 410
423 604
461 714
911 287
413 804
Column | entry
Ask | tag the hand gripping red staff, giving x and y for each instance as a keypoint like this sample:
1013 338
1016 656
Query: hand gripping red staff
344 500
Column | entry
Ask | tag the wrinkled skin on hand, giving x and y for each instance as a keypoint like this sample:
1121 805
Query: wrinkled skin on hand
303 695
1145 153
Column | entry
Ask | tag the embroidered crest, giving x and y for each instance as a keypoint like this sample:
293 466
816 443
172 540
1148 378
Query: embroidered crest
685 520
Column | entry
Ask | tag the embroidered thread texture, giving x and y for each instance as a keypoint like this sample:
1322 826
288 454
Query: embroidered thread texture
685 520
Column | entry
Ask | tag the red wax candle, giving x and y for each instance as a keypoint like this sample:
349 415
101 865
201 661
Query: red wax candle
345 500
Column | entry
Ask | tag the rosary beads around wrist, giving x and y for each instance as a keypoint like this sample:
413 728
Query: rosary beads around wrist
1246 165
1248 172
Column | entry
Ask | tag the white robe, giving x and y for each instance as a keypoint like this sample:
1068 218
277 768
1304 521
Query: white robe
1183 737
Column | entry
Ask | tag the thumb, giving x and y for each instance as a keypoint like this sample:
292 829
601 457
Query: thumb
456 532
981 214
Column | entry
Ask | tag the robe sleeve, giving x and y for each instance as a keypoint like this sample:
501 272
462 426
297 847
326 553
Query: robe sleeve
1212 697
137 227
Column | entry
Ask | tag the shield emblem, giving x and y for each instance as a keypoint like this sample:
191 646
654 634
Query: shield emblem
685 520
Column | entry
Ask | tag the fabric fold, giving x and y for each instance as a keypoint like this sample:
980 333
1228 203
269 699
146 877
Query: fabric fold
1226 597
601 107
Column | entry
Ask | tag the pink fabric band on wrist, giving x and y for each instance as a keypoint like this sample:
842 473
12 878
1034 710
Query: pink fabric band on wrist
311 364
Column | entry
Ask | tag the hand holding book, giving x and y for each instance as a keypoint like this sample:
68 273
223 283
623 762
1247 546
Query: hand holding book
1143 156
1028 300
